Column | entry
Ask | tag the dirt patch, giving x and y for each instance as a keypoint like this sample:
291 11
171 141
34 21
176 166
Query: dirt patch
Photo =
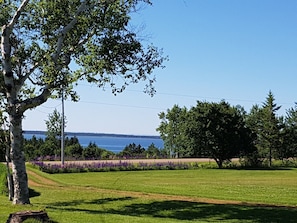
36 180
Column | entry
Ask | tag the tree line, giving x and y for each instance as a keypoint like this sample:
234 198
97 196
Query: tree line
49 148
222 132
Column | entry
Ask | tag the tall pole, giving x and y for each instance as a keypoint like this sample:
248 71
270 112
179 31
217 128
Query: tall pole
62 130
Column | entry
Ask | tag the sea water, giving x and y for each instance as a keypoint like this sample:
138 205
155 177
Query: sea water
114 143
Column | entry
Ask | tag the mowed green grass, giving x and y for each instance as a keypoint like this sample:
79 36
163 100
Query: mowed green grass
165 196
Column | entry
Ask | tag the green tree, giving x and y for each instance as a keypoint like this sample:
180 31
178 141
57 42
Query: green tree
289 133
4 149
218 130
132 150
271 126
152 151
71 141
54 124
32 147
93 152
255 123
267 126
74 151
172 131
53 134
40 43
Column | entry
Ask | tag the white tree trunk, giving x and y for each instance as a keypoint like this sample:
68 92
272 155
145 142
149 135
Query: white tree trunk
20 179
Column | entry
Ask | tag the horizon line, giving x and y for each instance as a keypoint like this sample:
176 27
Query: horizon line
94 133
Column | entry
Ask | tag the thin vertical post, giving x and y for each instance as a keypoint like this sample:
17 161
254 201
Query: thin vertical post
62 130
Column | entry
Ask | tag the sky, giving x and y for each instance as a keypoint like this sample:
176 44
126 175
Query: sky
232 50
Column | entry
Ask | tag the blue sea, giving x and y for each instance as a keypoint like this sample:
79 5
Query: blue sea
112 142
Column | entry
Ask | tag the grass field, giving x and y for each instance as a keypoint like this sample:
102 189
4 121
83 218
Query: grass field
204 195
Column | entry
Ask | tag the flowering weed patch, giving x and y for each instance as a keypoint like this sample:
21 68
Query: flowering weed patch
111 166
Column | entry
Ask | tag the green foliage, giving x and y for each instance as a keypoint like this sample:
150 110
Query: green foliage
218 130
214 130
4 134
32 147
267 126
35 148
112 166
51 146
172 130
289 133
92 151
49 35
221 131
3 179
153 152
2 152
74 151
54 125
132 151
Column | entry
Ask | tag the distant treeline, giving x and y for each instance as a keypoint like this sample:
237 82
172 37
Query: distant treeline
49 148
36 132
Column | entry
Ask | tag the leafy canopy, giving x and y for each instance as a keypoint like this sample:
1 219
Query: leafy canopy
57 43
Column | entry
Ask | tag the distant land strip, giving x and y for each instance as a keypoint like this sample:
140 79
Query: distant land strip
37 132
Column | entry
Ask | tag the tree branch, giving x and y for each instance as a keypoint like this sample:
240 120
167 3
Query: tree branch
17 15
6 49
34 102
26 76
66 29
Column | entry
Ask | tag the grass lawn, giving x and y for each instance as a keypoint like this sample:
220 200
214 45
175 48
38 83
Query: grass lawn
204 195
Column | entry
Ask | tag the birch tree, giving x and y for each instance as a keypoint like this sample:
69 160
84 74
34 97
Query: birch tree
47 45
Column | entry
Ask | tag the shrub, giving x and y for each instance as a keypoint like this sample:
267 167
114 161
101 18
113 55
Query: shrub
3 180
110 166
74 151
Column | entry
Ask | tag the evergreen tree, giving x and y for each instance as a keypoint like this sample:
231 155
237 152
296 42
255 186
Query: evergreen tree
265 123
289 142
271 126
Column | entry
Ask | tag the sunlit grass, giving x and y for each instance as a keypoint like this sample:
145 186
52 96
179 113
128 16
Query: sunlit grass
261 186
163 196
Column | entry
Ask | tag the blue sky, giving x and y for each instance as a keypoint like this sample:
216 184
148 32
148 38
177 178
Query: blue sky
236 50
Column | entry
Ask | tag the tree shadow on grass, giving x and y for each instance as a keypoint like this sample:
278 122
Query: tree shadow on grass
33 193
92 202
185 210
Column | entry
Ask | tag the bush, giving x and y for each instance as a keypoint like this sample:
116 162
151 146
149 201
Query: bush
110 166
74 151
3 180
133 151
93 152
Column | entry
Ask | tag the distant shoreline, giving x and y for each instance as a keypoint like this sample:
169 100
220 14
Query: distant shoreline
37 132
